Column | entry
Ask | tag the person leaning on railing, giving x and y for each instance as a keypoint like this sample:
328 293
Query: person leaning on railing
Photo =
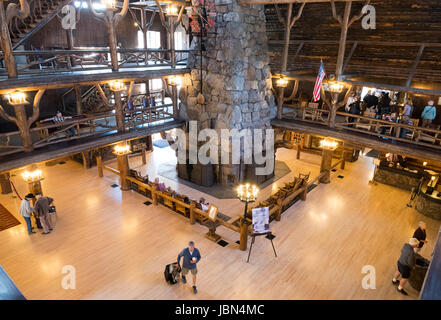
58 119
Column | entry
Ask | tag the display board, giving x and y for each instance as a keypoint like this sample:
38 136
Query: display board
261 220
212 212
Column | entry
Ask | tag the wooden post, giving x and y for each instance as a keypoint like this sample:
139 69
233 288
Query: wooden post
119 112
172 42
123 168
298 150
192 216
78 98
5 38
343 36
175 102
23 126
99 165
326 165
304 193
343 160
143 156
279 211
111 33
5 183
243 235
155 195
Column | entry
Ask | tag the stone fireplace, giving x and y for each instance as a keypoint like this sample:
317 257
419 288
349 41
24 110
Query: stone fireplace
236 86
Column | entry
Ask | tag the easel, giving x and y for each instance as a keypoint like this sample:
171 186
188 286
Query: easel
254 235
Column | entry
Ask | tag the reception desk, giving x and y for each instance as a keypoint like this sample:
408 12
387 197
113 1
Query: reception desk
397 177
428 204
431 289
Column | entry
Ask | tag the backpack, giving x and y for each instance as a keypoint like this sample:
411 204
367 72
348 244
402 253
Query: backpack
172 273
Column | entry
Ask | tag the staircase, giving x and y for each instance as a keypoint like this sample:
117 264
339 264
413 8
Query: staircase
90 99
41 12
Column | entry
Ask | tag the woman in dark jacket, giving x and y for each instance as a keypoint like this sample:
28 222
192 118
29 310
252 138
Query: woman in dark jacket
354 108
384 104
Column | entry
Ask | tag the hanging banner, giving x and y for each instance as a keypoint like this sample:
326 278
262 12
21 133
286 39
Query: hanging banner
261 220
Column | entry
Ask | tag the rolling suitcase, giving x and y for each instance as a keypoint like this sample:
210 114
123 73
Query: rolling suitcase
172 273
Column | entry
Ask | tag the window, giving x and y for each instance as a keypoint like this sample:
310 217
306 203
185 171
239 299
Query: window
155 84
153 39
179 41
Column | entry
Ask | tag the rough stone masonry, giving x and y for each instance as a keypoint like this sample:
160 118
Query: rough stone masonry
236 78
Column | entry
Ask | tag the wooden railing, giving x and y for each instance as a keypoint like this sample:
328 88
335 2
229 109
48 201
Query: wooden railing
94 125
387 130
190 211
41 61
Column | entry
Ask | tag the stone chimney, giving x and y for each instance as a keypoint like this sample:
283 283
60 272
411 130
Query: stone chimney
236 81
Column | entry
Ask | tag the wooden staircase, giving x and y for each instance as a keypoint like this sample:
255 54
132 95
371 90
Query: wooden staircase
41 12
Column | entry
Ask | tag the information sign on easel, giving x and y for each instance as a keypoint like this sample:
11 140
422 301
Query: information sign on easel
261 227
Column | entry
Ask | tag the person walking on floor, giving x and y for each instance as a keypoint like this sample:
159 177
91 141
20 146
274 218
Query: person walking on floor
191 257
26 211
41 209
420 234
429 113
405 264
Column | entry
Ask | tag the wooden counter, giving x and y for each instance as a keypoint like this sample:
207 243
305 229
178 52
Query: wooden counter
432 284
395 177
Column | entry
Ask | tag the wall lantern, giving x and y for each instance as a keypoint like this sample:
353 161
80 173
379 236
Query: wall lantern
328 144
32 176
172 11
16 98
335 87
282 82
110 4
116 85
174 80
121 150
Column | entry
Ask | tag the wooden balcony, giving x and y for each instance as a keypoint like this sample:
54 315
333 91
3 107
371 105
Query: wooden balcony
413 141
53 69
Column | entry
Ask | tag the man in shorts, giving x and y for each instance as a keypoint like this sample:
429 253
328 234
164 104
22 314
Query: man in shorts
405 263
191 257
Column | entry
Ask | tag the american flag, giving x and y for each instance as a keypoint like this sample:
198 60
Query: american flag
318 83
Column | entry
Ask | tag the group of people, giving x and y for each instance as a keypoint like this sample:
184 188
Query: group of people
40 211
406 262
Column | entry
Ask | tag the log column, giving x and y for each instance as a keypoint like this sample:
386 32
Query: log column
8 57
119 112
5 183
123 167
326 165
99 165
243 235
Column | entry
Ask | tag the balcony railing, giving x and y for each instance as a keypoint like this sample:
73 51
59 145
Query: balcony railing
41 61
384 130
87 126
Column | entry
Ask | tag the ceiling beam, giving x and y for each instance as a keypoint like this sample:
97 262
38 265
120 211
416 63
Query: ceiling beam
361 42
290 1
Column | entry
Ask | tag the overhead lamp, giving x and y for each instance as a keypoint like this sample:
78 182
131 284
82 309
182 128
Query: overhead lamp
110 4
174 80
116 85
16 98
121 150
282 82
328 144
172 11
247 192
335 87
32 176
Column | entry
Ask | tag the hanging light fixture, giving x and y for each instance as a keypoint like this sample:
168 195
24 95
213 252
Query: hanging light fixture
116 85
121 150
174 80
172 11
328 144
247 192
282 82
110 4
16 98
32 176
335 87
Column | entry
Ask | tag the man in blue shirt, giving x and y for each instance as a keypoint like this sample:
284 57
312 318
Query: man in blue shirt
429 113
191 257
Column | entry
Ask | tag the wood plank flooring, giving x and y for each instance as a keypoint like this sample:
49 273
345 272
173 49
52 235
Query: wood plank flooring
119 246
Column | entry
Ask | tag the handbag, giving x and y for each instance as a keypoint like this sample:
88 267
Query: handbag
52 210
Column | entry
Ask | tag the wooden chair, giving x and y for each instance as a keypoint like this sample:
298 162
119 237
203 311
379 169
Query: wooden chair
415 123
308 113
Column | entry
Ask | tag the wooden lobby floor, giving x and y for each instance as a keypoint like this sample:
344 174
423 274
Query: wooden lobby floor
119 246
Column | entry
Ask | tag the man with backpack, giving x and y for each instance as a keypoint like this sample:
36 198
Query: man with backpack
191 257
